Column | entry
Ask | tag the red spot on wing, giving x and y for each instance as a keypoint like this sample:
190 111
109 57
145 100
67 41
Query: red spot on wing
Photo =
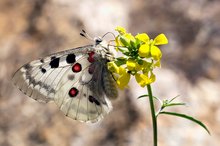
77 67
91 57
91 69
73 92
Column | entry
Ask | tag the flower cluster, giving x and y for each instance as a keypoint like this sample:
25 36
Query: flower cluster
141 56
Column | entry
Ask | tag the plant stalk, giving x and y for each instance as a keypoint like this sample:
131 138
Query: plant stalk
153 115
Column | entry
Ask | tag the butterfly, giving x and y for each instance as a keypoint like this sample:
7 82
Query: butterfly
77 80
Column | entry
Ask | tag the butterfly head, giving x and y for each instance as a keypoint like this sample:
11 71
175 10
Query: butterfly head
98 40
103 48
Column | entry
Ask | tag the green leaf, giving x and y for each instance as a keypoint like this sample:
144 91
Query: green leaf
123 49
133 45
120 61
174 104
140 61
174 98
124 41
126 53
146 95
186 117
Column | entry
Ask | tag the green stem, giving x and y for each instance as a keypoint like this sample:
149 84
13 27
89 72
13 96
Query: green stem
153 116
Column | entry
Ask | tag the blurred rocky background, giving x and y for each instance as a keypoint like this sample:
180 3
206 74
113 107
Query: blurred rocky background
30 29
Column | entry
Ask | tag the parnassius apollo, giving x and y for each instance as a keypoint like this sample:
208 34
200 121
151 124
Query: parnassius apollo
77 80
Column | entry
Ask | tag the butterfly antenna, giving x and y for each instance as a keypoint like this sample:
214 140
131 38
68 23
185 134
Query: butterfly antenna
84 34
109 42
109 33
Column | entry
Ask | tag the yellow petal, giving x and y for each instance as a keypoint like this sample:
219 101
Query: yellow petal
117 41
123 79
141 79
129 37
120 30
113 67
152 78
146 66
144 51
156 53
131 64
161 39
143 37
122 82
138 67
157 64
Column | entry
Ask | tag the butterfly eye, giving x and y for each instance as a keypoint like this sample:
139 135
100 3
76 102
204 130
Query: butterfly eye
98 40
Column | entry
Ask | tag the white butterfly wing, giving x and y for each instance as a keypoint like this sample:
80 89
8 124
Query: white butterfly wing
76 95
65 78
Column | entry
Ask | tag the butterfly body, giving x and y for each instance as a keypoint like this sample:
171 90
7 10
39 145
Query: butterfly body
77 80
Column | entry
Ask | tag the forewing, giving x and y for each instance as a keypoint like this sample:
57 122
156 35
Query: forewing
53 78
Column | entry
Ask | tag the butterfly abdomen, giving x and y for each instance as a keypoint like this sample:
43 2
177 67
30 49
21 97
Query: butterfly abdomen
109 85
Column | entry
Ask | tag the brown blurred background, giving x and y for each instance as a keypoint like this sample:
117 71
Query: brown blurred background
34 28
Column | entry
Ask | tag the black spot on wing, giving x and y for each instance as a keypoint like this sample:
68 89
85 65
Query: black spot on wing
43 70
71 58
55 62
93 99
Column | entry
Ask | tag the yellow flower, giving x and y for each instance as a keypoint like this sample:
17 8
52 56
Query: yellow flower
149 49
120 30
124 40
123 79
142 56
143 37
161 39
143 79
120 74
144 50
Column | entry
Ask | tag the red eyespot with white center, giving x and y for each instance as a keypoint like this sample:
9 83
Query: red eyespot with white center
73 92
76 67
91 57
